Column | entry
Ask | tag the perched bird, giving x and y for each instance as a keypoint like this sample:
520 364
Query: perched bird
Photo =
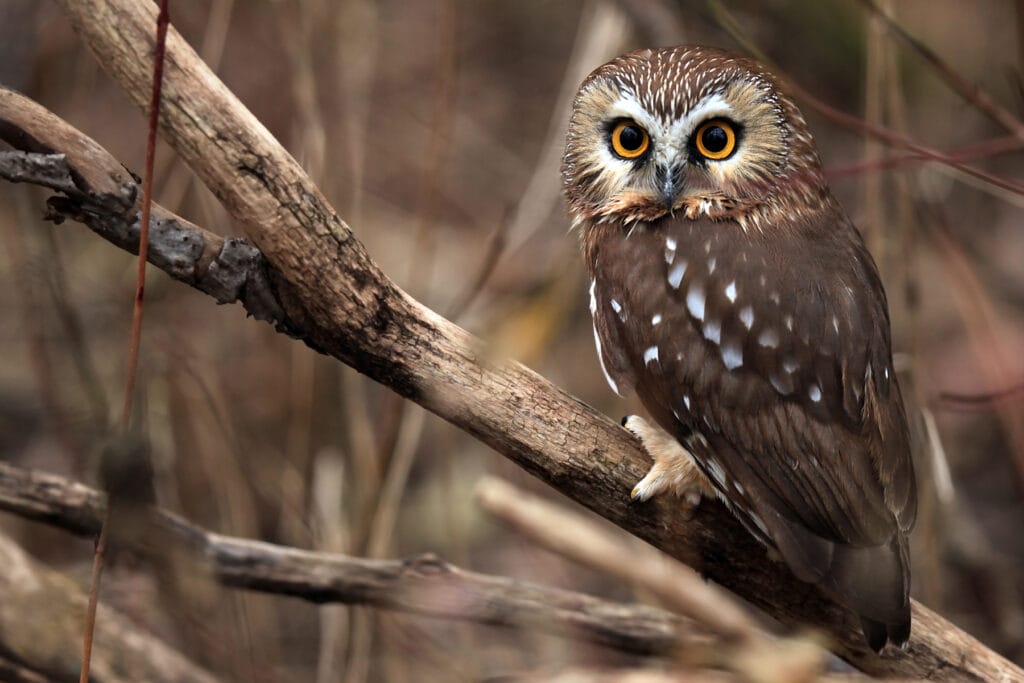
733 294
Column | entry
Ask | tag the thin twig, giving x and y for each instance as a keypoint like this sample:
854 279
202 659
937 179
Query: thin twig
747 649
971 93
147 197
856 123
89 628
570 535
984 400
136 331
424 584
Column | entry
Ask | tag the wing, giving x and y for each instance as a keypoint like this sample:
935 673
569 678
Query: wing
769 357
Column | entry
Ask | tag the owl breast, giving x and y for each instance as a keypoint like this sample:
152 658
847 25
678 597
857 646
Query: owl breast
757 356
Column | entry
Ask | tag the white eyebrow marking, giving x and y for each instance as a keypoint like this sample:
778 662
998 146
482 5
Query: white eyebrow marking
593 297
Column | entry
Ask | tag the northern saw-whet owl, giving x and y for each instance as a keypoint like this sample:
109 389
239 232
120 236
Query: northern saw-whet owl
733 294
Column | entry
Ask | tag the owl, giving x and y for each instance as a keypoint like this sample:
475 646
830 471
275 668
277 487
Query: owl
731 292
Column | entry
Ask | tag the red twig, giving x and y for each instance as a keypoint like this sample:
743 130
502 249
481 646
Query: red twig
94 595
987 400
147 193
162 21
896 139
981 150
970 92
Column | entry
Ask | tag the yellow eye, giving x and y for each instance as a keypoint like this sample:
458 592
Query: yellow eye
629 140
716 139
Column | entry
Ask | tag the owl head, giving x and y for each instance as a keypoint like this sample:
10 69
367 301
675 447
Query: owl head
656 131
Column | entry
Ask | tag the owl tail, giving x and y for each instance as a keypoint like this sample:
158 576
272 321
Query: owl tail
872 581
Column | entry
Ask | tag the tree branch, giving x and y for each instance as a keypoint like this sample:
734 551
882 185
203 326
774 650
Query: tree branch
335 298
423 585
41 631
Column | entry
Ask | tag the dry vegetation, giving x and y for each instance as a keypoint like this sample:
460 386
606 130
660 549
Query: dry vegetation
434 129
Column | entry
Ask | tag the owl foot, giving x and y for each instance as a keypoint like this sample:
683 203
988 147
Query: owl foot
673 469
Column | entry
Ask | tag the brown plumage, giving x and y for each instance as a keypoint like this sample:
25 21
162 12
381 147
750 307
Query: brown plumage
733 294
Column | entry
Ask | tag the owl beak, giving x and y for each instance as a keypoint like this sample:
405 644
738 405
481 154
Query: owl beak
670 179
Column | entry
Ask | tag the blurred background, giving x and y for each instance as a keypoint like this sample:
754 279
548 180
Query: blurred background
436 129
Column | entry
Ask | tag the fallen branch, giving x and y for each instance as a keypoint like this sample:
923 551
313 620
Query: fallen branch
423 585
336 299
14 672
41 630
674 584
746 650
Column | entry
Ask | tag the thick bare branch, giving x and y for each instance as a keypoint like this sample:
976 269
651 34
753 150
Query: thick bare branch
100 193
339 301
423 585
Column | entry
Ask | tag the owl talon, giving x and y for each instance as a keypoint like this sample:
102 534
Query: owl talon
673 467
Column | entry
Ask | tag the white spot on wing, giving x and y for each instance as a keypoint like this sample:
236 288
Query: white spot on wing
712 262
768 338
650 355
675 276
730 291
670 250
686 401
779 385
695 301
747 316
732 356
814 391
713 331
656 319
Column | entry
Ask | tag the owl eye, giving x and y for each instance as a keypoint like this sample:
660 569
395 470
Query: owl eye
716 139
629 140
